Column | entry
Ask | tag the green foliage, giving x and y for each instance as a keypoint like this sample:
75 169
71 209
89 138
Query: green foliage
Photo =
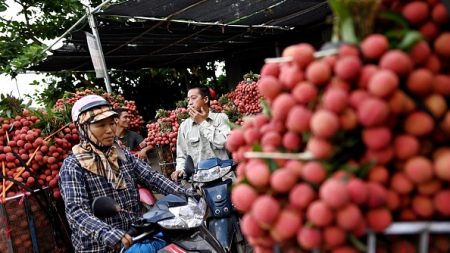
36 21
350 145
166 127
59 84
251 77
223 100
400 34
31 54
233 114
409 39
182 103
266 108
357 243
161 113
21 44
344 29
182 116
51 119
354 19
209 79
3 6
11 106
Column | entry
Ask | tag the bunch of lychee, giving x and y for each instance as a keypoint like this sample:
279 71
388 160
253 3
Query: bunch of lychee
375 120
117 101
31 158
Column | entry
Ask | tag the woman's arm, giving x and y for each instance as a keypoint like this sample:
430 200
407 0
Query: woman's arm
78 206
154 180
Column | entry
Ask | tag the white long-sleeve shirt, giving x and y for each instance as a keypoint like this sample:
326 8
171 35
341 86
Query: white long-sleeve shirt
202 141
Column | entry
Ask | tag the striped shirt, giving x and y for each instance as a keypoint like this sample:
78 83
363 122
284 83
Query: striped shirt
202 141
80 187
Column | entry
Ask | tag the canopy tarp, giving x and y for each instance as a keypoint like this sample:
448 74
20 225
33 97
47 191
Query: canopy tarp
152 33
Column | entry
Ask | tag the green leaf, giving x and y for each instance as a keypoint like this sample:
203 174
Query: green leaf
395 17
257 148
3 7
395 34
273 166
338 9
410 39
306 136
348 31
357 243
11 106
365 168
232 125
266 108
343 21
31 55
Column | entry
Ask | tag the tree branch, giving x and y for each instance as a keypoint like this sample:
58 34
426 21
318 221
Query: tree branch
29 33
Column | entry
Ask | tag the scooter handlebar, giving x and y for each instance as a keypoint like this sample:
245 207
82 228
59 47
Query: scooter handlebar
132 232
135 237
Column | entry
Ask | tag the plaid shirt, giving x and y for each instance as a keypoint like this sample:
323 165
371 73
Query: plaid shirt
80 187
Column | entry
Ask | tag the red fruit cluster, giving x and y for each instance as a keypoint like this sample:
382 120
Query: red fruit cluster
216 106
427 16
246 98
376 121
242 101
165 130
117 101
42 155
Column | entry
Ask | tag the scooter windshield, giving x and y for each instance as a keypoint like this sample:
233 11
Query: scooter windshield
187 216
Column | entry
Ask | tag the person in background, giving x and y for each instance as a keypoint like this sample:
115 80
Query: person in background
130 139
203 134
99 167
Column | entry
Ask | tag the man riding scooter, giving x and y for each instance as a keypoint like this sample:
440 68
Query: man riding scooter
99 167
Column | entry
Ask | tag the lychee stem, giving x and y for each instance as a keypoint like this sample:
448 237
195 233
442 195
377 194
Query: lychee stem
353 19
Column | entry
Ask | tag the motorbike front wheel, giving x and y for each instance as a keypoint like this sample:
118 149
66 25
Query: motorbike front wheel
240 245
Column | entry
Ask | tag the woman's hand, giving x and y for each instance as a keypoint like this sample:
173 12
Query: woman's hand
126 242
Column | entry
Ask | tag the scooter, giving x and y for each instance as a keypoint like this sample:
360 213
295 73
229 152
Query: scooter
213 178
180 219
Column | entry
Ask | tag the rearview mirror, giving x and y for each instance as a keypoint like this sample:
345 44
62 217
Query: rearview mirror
189 168
104 207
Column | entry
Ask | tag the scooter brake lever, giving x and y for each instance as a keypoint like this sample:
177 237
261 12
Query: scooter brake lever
139 237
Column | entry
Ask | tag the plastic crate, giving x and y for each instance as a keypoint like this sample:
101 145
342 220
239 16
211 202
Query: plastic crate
166 160
421 228
32 223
